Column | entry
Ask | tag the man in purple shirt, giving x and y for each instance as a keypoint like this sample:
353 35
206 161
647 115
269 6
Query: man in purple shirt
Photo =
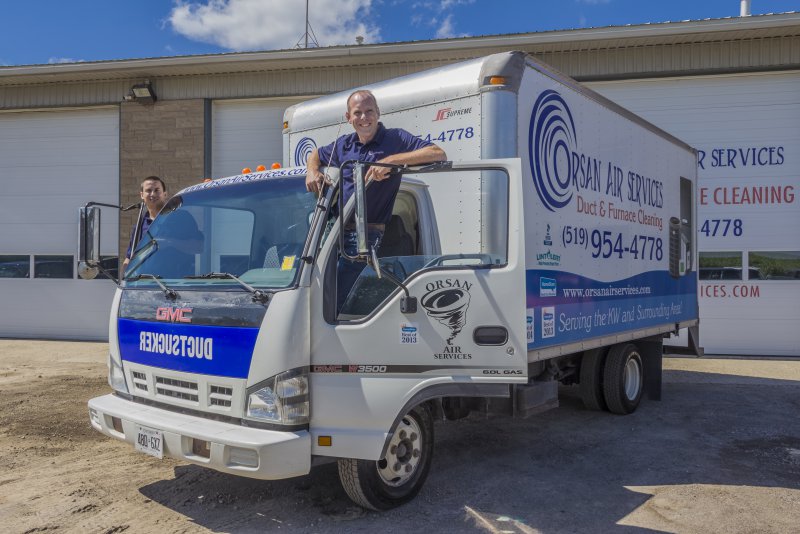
154 195
371 141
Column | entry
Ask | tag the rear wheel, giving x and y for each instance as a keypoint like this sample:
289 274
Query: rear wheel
591 379
623 379
398 476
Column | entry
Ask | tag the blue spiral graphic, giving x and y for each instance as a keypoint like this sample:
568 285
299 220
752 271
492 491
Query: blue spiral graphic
551 142
303 149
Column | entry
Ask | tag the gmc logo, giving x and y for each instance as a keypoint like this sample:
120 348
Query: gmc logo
174 315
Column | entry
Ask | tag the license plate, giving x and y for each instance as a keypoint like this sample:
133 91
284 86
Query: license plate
150 441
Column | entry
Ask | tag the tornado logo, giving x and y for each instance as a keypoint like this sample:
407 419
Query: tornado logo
303 149
448 305
552 140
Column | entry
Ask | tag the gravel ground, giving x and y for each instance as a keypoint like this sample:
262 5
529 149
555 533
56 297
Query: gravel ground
720 453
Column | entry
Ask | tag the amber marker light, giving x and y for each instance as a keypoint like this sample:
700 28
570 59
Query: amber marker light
276 165
246 170
285 124
261 168
324 441
497 80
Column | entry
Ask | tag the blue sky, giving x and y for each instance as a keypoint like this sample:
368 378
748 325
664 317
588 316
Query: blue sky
57 31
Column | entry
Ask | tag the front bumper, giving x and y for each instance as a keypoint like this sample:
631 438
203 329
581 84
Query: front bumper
250 452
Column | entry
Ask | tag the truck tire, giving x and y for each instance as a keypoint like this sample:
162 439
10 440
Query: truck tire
591 379
623 379
399 475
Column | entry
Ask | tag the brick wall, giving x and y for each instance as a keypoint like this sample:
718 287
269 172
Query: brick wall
166 139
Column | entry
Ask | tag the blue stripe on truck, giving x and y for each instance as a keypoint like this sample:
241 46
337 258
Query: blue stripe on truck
566 307
207 350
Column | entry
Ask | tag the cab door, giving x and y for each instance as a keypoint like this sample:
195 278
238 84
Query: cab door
467 276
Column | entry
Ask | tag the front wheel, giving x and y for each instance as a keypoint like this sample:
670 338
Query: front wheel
397 477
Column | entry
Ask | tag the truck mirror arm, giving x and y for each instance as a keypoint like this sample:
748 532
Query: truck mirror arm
408 304
85 265
127 208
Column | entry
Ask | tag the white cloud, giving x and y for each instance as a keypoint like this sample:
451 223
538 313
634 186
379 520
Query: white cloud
272 24
447 4
446 30
438 14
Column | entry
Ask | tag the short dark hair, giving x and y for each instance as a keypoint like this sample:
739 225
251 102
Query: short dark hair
154 179
363 92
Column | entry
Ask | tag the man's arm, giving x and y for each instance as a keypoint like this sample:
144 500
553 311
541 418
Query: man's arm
428 154
314 177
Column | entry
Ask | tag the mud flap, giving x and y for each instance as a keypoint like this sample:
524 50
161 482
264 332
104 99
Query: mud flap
652 351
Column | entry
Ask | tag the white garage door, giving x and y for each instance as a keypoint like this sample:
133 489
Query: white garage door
51 163
247 133
747 131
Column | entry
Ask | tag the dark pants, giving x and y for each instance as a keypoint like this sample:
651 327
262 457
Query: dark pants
348 271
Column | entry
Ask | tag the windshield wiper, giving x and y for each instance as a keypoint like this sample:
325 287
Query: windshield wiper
258 295
169 293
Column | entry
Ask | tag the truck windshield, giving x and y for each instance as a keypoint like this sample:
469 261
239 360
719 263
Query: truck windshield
254 231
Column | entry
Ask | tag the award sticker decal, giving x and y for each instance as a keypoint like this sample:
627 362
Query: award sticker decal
408 333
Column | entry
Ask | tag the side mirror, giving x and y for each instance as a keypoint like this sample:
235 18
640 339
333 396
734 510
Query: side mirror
89 242
361 209
364 252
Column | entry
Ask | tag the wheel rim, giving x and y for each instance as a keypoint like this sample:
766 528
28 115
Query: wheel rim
403 454
633 378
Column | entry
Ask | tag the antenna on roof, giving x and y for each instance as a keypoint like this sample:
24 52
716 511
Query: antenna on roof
309 34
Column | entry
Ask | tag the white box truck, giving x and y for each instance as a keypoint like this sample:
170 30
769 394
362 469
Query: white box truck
556 246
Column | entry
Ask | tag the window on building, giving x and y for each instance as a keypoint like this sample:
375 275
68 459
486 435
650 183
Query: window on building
783 265
15 266
720 266
53 266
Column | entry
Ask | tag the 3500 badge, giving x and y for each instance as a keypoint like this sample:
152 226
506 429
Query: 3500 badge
367 368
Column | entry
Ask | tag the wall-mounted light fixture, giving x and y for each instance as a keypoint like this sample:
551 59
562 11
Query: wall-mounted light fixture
142 93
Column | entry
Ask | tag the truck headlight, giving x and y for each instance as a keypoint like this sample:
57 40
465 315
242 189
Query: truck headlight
281 399
116 376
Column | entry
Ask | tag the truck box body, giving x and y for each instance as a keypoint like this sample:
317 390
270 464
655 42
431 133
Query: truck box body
600 187
557 244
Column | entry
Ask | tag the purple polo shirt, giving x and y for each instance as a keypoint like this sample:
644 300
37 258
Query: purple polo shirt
144 227
387 142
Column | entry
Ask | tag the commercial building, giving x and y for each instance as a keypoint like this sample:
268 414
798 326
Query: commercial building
71 133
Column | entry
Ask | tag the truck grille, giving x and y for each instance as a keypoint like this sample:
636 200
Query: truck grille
216 394
139 381
176 389
220 396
